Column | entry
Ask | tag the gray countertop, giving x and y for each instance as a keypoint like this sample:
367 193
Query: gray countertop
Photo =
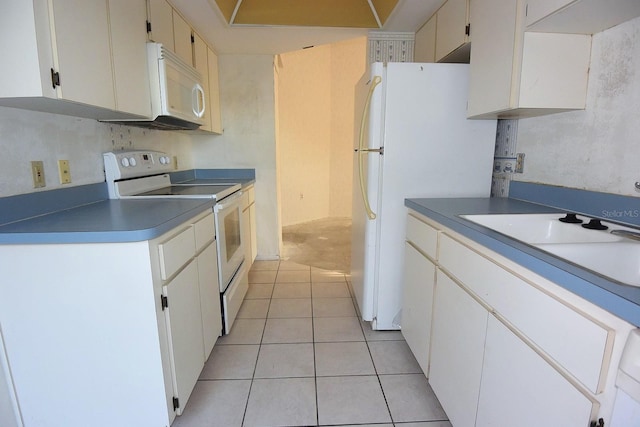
619 299
105 221
84 214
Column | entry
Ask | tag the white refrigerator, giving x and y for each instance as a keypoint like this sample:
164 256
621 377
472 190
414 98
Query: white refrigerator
412 140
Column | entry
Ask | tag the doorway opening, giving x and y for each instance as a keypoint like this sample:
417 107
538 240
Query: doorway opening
314 138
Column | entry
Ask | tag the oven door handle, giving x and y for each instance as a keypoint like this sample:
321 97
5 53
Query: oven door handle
228 201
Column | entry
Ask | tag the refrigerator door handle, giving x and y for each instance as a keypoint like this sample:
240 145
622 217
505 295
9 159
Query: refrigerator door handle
370 150
362 150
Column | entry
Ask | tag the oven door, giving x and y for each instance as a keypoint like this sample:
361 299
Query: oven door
229 234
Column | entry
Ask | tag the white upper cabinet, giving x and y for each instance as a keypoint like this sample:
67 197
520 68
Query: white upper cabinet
74 57
445 36
516 74
452 31
160 16
182 38
128 47
538 9
425 44
81 33
214 93
201 63
578 16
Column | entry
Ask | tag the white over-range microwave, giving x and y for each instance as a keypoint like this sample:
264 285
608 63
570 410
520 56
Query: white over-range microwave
177 94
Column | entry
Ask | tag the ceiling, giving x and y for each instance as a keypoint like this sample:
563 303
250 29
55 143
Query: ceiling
294 28
308 13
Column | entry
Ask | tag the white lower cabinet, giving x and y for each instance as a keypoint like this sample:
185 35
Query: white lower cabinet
9 410
249 236
519 388
507 347
419 281
106 334
209 297
184 326
190 303
457 348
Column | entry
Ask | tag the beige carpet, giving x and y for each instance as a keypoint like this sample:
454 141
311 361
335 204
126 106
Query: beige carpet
323 243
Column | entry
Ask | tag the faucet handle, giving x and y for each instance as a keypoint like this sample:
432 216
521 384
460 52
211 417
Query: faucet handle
595 224
570 218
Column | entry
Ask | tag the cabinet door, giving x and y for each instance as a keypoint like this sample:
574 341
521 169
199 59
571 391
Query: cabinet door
452 19
81 31
254 234
214 93
538 9
492 56
209 297
161 17
184 323
425 43
417 308
8 401
519 388
201 63
246 229
128 47
457 347
182 38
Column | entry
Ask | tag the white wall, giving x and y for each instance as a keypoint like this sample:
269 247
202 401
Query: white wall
304 111
27 135
596 149
316 128
247 99
348 64
248 118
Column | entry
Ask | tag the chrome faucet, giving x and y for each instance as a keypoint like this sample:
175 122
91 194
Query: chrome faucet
627 233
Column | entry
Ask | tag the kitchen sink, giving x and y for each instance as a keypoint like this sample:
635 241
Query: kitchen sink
610 255
543 228
619 261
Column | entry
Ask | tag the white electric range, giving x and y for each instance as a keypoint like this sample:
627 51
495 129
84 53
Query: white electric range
141 174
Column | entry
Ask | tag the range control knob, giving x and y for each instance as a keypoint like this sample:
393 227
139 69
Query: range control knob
163 160
167 160
124 162
132 161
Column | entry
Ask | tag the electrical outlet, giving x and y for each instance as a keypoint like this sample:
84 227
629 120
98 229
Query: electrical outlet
37 172
63 170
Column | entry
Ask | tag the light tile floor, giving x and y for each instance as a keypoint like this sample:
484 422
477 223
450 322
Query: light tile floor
298 355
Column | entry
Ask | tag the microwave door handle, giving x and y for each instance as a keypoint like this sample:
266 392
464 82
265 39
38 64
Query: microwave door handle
198 104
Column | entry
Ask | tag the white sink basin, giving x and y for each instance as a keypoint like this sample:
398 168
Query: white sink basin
543 228
600 251
619 261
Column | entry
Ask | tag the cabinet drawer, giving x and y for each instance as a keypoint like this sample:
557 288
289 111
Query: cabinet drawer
175 252
572 340
205 231
422 236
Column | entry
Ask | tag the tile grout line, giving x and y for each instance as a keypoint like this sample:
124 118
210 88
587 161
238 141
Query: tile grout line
255 366
375 368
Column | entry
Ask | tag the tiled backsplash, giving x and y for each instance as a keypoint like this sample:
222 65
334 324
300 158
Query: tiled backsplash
390 47
504 159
